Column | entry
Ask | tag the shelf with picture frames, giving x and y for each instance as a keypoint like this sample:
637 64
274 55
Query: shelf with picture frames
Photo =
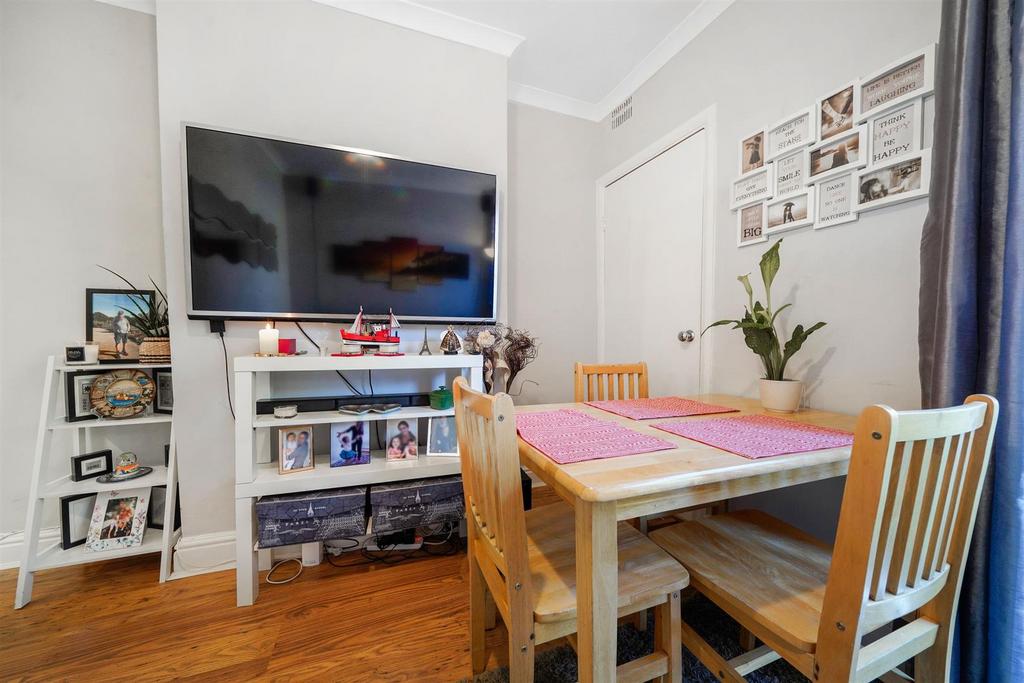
256 475
53 420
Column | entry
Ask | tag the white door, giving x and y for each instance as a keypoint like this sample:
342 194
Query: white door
653 227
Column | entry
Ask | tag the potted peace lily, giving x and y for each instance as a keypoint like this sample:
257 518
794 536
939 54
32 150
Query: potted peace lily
758 324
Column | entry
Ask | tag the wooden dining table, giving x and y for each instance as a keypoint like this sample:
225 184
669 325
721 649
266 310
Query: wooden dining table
606 491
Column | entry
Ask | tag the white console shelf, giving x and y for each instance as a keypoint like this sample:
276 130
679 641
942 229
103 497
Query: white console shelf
254 479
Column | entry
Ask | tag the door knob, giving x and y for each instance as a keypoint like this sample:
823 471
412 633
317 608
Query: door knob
686 336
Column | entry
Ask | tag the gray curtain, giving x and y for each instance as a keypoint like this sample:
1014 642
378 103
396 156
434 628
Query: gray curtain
972 305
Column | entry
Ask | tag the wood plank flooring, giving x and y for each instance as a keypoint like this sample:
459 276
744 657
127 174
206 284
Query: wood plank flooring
113 621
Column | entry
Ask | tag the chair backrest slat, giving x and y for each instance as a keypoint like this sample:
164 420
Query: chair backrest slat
610 382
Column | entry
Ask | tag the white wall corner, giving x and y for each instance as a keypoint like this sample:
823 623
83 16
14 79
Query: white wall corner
433 22
204 553
144 6
12 546
545 99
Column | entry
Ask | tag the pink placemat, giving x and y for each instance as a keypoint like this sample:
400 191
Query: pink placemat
568 436
758 436
659 408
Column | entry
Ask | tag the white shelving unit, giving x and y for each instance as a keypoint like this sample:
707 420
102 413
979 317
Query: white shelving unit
51 420
252 437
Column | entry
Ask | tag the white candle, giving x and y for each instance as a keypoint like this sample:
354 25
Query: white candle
268 340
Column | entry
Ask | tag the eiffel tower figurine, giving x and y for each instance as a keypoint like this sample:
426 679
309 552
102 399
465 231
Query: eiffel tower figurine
425 350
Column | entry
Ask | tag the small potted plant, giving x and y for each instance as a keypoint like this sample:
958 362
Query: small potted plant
152 321
778 394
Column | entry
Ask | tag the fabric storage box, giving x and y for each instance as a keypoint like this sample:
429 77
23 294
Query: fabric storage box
311 516
420 502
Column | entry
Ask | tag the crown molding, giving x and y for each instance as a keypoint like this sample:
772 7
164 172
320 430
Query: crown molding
545 99
433 22
144 6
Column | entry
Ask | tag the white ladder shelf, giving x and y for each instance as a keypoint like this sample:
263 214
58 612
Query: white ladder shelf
51 419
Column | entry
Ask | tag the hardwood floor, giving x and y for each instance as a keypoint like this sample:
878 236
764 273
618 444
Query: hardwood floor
114 621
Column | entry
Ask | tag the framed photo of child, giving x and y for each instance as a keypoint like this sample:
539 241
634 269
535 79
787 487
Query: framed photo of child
441 436
350 443
402 442
295 449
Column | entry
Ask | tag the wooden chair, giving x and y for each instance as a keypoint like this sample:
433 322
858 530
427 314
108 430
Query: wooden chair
904 529
611 382
525 561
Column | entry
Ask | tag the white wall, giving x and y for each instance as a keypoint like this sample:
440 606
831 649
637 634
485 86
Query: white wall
552 265
310 72
80 186
761 61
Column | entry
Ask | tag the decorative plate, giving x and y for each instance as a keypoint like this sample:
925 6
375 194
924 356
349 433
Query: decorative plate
121 393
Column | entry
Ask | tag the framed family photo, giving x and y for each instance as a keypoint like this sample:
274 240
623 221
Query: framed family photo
901 180
751 188
402 441
295 449
77 394
790 173
163 401
441 436
350 443
895 133
836 201
910 77
791 133
839 154
789 212
109 322
752 152
118 519
837 111
750 225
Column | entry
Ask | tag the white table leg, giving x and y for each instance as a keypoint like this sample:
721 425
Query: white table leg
597 586
246 575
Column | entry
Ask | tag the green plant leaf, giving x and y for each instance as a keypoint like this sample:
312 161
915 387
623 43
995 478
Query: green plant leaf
770 263
745 281
795 343
719 322
780 310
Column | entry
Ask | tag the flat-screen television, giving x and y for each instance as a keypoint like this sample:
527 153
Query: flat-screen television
284 230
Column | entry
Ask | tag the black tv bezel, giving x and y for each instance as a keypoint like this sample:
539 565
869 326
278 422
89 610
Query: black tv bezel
280 316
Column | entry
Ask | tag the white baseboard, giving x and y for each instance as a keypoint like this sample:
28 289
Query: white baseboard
204 553
11 547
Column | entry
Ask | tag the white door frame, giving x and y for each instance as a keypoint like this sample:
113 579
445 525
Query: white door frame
705 121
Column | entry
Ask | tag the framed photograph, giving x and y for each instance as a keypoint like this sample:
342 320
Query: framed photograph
895 133
906 79
751 188
295 449
163 402
899 181
441 436
110 322
75 518
839 154
752 152
838 111
401 441
77 388
790 173
790 212
118 519
158 505
791 133
836 201
750 225
90 465
350 443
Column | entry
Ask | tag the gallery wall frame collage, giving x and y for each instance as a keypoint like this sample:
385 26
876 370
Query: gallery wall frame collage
859 147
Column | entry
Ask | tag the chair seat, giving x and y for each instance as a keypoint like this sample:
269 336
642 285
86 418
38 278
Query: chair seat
756 568
646 572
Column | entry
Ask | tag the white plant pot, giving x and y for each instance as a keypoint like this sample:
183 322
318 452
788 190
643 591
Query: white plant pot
781 396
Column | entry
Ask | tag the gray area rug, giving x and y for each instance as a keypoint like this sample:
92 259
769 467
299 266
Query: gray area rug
558 665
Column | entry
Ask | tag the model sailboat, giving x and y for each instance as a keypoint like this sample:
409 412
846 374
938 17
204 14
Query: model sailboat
372 334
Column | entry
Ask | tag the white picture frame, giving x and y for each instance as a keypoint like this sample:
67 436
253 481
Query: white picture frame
442 439
895 133
749 143
746 234
801 211
794 132
835 201
118 519
851 146
790 173
751 188
837 111
886 88
888 175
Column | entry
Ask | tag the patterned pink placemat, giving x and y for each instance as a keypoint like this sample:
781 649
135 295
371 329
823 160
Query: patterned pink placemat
568 436
659 408
758 436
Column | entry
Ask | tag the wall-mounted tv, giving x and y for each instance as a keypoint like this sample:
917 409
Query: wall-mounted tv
287 230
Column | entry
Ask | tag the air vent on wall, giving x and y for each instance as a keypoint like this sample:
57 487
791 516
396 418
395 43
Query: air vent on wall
622 113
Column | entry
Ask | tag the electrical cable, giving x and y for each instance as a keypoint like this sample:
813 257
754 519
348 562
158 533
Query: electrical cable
277 564
369 377
227 375
338 372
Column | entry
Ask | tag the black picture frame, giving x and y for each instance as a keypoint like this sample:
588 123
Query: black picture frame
157 408
78 464
66 541
155 517
89 295
72 414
